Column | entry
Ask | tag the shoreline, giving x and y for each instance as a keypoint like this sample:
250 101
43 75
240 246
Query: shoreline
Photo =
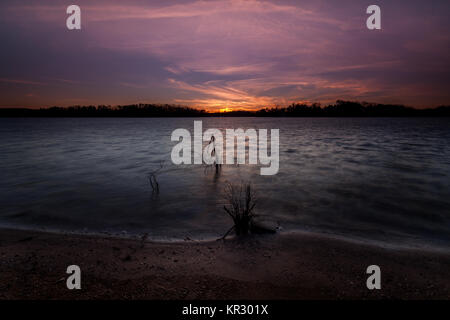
281 266
137 236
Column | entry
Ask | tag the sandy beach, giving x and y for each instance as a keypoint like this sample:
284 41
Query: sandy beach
296 266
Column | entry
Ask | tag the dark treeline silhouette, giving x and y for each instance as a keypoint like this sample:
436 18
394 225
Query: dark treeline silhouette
339 109
135 110
344 109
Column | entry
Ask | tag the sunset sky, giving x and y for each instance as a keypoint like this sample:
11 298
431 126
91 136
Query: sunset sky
223 54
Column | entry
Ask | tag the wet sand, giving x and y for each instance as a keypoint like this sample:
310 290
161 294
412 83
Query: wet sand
296 266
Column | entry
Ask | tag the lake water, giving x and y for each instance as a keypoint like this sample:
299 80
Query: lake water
377 179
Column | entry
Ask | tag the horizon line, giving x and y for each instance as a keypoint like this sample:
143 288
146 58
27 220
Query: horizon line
226 109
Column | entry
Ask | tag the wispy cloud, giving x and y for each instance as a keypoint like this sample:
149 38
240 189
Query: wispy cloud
21 81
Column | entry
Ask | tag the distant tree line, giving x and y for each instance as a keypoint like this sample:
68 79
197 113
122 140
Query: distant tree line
339 109
135 110
353 109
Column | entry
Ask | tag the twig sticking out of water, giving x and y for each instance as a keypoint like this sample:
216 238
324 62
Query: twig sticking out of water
216 164
241 203
152 177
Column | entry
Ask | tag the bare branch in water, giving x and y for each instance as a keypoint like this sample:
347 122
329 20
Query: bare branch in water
152 177
216 164
241 204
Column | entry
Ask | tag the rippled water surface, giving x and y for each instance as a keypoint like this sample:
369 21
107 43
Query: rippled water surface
376 179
